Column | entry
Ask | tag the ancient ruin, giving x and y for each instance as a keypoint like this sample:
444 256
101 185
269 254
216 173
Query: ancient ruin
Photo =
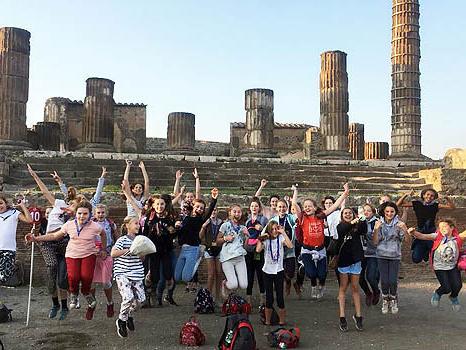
406 89
356 140
181 133
14 87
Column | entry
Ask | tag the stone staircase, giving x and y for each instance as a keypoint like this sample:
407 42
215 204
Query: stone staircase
230 175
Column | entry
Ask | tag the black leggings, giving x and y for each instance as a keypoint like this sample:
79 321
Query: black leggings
157 262
271 281
254 267
450 282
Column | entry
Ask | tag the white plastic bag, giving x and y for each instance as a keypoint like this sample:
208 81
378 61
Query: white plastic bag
142 246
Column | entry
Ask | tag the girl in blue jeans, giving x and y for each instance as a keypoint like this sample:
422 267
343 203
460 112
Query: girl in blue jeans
188 237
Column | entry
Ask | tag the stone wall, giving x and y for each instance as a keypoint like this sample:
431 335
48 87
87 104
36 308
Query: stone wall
446 181
287 137
157 145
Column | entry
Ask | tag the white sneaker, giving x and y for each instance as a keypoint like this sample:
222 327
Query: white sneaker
73 301
385 304
78 305
394 304
320 292
314 292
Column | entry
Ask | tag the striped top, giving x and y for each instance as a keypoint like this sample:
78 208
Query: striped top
129 266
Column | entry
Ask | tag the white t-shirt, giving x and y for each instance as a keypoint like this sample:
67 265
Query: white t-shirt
332 221
8 225
446 255
57 215
130 210
273 255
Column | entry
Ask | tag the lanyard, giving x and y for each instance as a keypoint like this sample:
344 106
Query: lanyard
78 229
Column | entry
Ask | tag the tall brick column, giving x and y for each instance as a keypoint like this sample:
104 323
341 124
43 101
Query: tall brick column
14 87
356 140
334 105
98 116
181 133
259 123
406 89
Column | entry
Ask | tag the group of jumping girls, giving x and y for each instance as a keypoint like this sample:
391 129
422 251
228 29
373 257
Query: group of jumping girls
279 244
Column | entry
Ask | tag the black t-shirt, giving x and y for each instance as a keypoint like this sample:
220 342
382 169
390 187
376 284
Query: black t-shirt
425 215
349 242
191 226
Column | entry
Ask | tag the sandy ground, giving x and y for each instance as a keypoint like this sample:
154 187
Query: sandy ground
417 326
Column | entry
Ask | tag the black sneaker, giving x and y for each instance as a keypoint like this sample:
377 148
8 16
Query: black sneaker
130 324
343 324
121 328
358 322
170 300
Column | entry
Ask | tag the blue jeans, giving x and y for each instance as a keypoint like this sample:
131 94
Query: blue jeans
315 271
184 269
420 250
162 282
372 274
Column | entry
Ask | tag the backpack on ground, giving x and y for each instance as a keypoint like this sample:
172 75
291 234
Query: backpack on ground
274 319
284 338
235 304
5 314
191 334
204 302
238 334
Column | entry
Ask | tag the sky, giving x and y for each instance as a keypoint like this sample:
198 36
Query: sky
200 56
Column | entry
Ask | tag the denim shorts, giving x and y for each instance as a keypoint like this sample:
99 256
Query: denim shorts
354 269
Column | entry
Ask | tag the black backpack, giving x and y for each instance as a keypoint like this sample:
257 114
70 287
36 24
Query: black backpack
204 302
274 319
5 314
238 334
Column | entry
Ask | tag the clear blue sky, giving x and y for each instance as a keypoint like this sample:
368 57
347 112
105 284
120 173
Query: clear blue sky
200 56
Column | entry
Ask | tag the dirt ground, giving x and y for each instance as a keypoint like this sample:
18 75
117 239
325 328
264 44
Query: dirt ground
417 326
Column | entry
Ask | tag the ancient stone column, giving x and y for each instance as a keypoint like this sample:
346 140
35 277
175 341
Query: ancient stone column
181 133
406 90
55 111
259 123
48 135
375 150
98 116
356 140
14 87
334 105
312 142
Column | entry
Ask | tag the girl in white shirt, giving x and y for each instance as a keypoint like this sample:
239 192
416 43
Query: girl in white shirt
274 239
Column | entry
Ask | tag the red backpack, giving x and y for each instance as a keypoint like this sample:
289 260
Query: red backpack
235 304
284 338
191 334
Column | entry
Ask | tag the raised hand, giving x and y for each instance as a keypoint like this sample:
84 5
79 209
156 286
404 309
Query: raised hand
294 187
214 193
128 162
195 174
179 174
104 172
264 182
378 225
141 165
56 177
346 188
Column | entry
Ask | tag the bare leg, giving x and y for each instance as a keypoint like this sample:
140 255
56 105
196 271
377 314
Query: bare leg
355 292
344 281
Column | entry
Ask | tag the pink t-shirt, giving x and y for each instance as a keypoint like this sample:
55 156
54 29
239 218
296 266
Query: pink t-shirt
82 245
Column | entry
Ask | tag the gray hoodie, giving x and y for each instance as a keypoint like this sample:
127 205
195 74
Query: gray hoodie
390 238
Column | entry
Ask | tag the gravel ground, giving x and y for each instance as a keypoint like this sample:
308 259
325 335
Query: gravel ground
417 326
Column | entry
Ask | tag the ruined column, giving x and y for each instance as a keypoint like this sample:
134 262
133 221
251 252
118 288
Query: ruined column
259 123
181 133
334 105
98 116
356 140
406 89
48 135
14 87
375 150
55 111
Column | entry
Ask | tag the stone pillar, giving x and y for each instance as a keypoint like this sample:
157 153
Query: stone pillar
55 111
356 140
406 89
259 123
334 105
98 116
312 142
375 150
181 133
14 87
48 135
